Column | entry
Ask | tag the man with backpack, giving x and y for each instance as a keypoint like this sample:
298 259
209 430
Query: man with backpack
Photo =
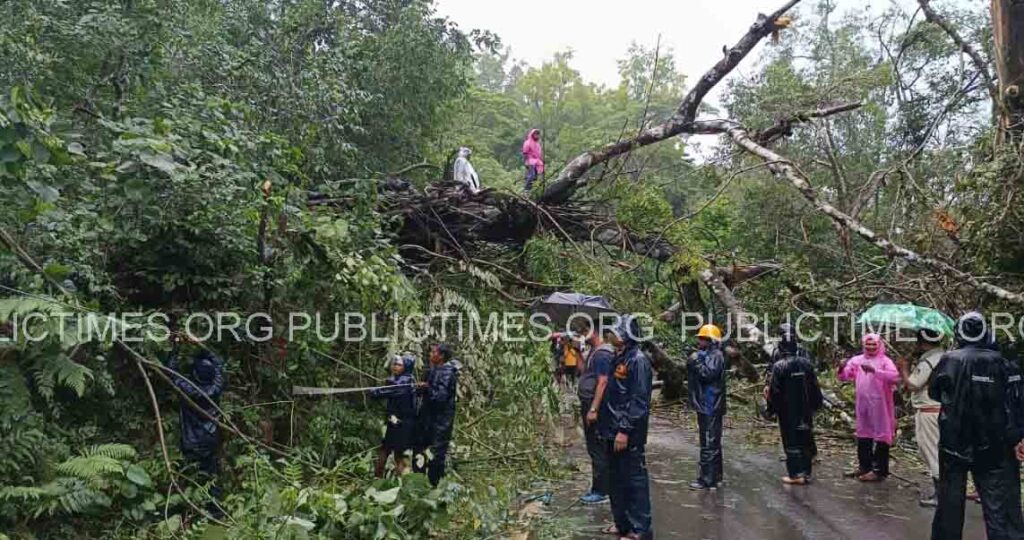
591 391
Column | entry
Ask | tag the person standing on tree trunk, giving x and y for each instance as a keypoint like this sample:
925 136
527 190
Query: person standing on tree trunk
533 158
705 374
401 413
437 413
464 173
591 391
875 377
926 409
623 428
794 396
981 431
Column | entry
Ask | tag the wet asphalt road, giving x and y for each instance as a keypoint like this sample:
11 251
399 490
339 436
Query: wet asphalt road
754 504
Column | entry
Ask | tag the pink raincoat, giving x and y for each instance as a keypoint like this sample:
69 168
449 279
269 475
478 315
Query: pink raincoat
533 154
876 413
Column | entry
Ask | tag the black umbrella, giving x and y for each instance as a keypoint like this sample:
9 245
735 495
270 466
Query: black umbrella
561 307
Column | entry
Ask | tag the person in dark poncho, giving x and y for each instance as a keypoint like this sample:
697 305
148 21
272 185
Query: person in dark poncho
622 425
436 418
400 392
980 431
794 396
200 434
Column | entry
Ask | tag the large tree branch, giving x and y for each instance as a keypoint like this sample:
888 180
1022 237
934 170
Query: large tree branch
785 169
573 177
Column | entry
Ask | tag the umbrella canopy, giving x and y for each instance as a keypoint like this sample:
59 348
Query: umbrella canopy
560 307
908 316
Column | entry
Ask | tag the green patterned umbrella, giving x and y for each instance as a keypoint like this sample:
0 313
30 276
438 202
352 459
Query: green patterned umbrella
908 316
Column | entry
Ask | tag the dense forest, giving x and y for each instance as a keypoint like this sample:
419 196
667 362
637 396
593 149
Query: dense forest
183 156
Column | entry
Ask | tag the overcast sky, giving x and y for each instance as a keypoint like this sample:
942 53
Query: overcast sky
600 31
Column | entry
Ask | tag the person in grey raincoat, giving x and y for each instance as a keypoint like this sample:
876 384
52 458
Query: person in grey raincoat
464 173
399 390
436 418
981 431
794 396
622 425
705 374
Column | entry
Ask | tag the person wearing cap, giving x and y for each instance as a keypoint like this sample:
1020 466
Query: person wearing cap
980 431
794 396
705 373
926 409
622 426
399 390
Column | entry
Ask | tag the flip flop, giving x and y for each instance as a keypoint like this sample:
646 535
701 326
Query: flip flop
611 529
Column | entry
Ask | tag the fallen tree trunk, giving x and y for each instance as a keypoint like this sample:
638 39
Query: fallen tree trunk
573 175
785 169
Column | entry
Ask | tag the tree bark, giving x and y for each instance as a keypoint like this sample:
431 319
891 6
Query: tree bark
1008 33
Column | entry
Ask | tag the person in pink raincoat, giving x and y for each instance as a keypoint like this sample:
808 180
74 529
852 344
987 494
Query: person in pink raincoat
876 378
533 158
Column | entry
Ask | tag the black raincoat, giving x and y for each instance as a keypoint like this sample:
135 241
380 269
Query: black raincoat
436 419
979 425
794 396
401 408
198 433
628 407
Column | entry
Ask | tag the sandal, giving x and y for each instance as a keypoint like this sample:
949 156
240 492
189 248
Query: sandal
611 529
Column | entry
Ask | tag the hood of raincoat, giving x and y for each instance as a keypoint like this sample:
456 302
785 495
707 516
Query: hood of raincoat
875 338
628 331
464 152
971 330
204 368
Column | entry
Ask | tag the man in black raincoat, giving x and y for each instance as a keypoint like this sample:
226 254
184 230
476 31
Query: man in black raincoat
794 396
979 430
200 435
705 380
399 390
623 427
437 413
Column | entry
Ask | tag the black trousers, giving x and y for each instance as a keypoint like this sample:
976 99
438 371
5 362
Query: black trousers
598 451
873 455
799 447
208 464
711 470
630 490
998 480
435 466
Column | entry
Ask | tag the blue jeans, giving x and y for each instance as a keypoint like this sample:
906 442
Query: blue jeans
630 490
531 175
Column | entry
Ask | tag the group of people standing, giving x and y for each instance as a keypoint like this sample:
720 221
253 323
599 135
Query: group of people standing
969 417
424 430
